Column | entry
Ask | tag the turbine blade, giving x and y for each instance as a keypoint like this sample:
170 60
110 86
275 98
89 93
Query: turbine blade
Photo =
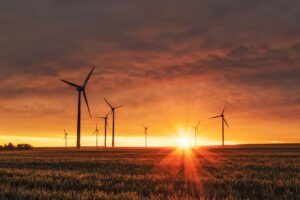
198 123
104 116
107 115
215 117
87 103
224 108
119 106
108 127
69 83
226 122
88 77
108 103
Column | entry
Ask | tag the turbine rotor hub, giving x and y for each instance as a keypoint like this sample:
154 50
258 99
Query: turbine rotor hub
80 88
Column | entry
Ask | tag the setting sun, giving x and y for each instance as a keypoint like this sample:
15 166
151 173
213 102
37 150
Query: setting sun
183 142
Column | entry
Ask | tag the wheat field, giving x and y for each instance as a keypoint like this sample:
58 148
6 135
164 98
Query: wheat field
151 173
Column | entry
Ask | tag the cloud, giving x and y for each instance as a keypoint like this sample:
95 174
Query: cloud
148 51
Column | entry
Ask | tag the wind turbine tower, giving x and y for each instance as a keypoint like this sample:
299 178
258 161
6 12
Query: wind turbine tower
196 131
146 134
81 90
113 120
66 138
223 120
105 126
96 132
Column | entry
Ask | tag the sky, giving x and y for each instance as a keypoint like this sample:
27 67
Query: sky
170 63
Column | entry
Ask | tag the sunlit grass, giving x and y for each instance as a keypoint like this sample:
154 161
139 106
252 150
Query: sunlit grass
153 173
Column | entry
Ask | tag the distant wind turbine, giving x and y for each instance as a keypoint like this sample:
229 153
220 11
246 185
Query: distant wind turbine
105 126
66 138
146 134
96 132
80 89
113 120
222 116
196 131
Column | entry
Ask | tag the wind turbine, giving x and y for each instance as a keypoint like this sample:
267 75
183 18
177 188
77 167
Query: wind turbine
196 131
80 89
96 132
105 126
222 116
66 138
113 120
146 133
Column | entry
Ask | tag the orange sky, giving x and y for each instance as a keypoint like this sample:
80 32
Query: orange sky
170 64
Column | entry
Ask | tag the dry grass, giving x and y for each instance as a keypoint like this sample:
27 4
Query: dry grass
154 173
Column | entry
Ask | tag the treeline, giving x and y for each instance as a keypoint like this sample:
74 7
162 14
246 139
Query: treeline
11 146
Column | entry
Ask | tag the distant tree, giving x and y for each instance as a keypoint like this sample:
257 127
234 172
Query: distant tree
28 146
24 146
10 146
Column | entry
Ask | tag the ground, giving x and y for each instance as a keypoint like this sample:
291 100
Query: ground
235 172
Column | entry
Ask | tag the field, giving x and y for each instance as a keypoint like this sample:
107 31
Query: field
237 172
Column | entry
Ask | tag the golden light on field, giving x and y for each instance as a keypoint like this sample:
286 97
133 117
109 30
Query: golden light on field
183 162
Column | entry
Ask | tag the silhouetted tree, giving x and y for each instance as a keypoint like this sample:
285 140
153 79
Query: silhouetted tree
24 146
10 146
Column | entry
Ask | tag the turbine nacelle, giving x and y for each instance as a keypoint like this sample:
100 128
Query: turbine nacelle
80 89
105 117
113 108
96 127
146 128
65 132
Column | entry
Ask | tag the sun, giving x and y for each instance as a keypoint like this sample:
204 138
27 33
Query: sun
183 142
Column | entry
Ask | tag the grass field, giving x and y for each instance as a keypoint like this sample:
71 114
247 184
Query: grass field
239 172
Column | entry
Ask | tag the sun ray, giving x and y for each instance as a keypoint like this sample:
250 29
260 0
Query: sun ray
183 165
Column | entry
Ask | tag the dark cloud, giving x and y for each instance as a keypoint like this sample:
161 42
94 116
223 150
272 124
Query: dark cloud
37 35
136 44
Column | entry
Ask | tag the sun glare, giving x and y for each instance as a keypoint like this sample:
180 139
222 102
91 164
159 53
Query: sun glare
183 142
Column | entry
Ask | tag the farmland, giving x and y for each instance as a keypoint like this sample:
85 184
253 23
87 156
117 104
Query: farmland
237 172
